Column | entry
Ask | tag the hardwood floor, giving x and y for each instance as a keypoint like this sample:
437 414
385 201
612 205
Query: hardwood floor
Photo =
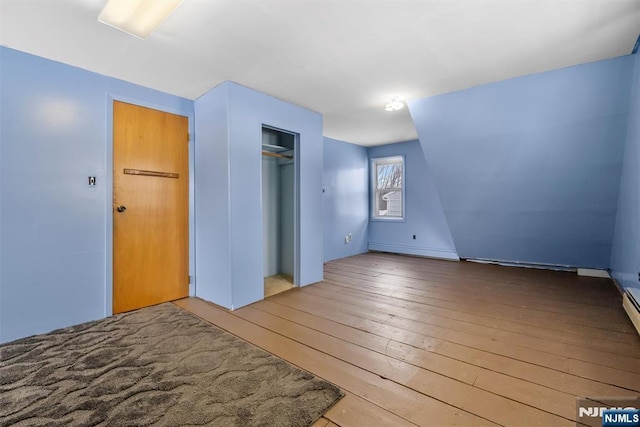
416 341
275 284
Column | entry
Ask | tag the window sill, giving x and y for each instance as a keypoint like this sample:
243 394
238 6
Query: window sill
380 219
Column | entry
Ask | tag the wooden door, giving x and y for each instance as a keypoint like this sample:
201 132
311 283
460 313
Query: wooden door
150 207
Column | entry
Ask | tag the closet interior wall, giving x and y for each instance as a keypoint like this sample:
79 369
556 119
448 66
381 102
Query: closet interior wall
278 175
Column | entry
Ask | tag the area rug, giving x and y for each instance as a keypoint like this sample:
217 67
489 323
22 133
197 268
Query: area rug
156 366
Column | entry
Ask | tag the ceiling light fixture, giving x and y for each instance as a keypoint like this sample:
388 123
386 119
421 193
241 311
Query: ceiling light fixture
394 105
137 17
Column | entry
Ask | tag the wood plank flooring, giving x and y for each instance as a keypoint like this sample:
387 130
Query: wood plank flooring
276 284
416 341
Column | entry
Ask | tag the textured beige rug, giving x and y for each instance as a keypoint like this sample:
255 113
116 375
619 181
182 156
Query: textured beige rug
156 366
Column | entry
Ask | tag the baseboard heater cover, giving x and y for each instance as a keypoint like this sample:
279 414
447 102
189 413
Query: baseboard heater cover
445 254
592 272
538 266
631 304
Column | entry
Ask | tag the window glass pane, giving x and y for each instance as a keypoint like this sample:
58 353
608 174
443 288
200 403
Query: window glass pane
388 187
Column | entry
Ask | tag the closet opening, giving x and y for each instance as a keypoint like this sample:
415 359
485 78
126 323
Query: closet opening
278 210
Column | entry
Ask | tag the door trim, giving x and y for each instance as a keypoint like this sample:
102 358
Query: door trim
296 200
111 97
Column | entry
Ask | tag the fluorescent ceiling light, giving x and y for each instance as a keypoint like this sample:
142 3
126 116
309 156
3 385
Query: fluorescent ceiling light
137 17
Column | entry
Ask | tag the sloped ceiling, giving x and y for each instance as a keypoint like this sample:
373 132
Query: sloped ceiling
342 58
528 169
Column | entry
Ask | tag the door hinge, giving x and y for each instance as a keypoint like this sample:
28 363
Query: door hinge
189 279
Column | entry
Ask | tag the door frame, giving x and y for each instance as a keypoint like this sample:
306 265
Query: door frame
296 200
111 97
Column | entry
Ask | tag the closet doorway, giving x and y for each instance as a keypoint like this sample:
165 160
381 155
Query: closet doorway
278 210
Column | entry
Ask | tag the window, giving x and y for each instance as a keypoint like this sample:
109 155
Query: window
387 176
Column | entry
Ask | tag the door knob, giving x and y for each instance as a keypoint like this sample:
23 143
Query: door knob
121 208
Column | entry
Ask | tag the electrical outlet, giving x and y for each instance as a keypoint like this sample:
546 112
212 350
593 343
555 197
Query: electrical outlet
350 237
346 239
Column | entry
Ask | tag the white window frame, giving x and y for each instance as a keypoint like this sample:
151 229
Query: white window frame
373 200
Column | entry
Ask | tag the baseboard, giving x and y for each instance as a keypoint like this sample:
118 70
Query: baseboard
412 250
539 266
592 272
341 256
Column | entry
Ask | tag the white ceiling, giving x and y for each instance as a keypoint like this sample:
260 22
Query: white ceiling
342 58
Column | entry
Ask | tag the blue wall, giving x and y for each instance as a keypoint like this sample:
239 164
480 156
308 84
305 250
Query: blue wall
229 122
345 202
625 256
213 216
54 228
528 169
424 216
271 214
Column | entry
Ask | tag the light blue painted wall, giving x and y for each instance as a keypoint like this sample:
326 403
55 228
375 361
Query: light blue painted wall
424 216
54 228
213 216
528 169
287 219
625 256
229 121
278 186
271 214
345 201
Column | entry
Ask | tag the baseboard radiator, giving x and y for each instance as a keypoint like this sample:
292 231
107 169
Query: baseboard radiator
631 304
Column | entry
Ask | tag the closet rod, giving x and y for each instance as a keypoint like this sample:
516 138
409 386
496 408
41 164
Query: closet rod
269 153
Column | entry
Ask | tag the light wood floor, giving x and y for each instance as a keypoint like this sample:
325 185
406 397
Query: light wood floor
275 284
415 341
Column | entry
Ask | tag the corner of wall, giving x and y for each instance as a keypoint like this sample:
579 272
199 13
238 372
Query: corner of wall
345 199
424 231
212 204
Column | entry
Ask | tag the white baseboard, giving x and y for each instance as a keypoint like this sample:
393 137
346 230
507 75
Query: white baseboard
412 250
592 272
